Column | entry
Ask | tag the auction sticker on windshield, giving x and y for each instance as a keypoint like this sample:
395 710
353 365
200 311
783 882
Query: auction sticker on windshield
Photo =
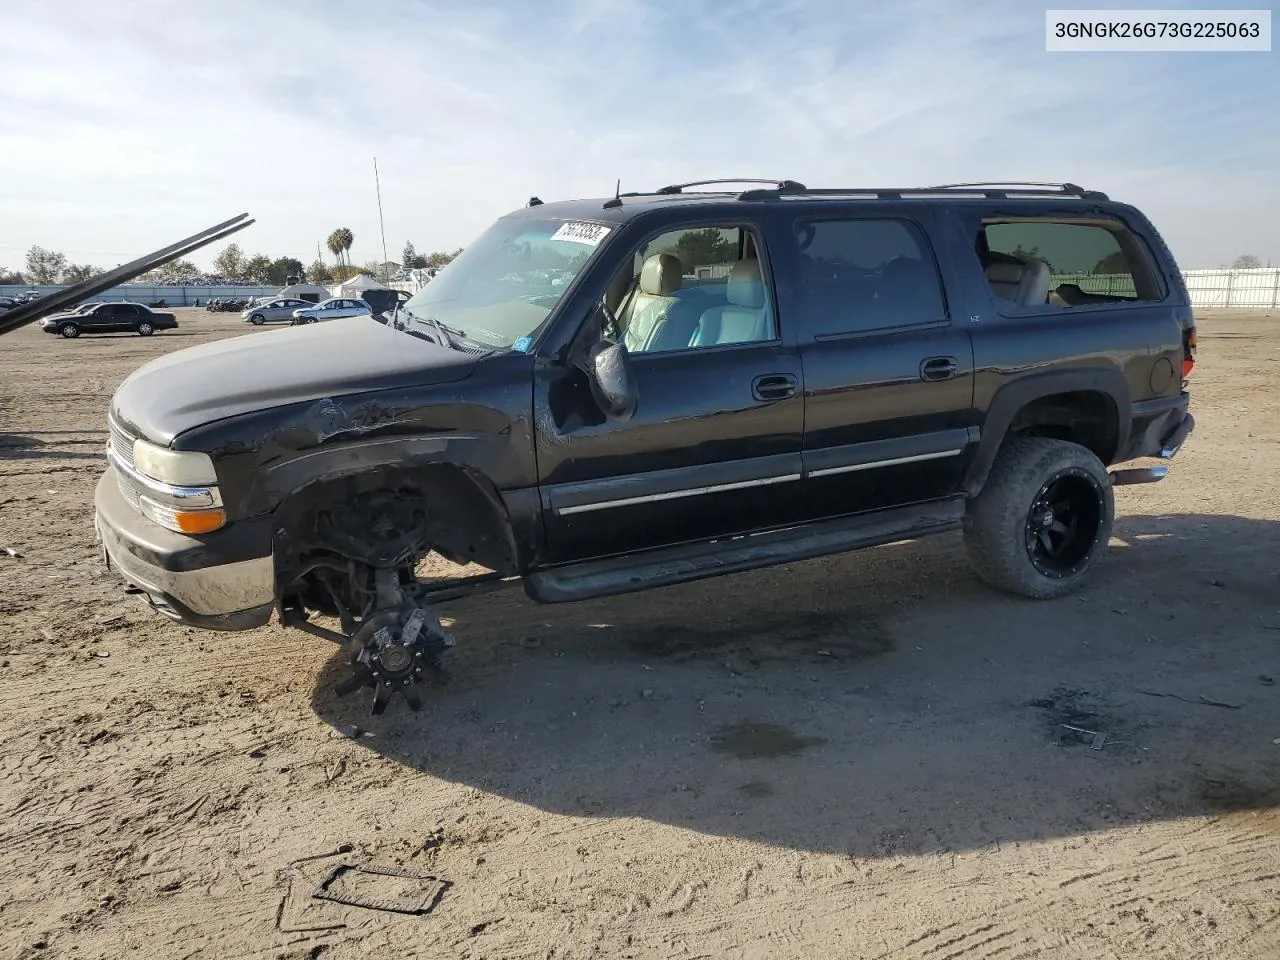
578 232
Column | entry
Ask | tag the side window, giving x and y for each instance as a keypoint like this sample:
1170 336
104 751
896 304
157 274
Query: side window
692 288
1033 263
867 274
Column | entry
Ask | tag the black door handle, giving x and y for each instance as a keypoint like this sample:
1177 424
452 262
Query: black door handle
774 386
939 368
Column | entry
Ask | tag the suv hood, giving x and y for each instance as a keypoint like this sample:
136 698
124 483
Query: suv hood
198 385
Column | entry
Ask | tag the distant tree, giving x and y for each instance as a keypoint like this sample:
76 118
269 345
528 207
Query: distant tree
257 269
319 273
344 272
339 244
334 243
78 273
172 272
1112 263
411 259
10 276
697 248
44 266
1246 262
1022 253
230 262
439 258
282 268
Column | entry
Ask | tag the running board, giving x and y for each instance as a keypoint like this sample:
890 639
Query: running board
667 566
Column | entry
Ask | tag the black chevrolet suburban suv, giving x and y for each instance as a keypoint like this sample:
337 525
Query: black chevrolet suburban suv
604 396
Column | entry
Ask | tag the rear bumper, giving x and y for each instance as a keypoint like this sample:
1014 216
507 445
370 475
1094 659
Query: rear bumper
221 581
1158 428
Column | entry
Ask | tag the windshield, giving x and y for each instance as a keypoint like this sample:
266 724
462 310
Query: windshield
501 288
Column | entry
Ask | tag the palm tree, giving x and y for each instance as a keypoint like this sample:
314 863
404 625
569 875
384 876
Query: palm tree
334 243
346 238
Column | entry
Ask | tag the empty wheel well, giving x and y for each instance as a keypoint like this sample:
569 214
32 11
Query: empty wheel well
1088 418
393 518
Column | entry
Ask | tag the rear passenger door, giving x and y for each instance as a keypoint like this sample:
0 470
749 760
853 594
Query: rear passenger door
888 365
130 315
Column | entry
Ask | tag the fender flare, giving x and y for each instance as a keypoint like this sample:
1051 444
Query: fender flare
1012 397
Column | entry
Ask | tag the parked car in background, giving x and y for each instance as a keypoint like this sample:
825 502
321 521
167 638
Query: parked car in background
333 309
7 304
273 310
121 317
28 296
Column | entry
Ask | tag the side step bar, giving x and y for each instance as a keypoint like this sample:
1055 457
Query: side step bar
697 561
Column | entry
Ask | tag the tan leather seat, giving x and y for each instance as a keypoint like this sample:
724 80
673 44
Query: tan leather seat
660 277
746 318
1026 284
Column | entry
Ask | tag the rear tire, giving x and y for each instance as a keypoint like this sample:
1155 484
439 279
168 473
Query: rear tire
1043 520
145 329
69 330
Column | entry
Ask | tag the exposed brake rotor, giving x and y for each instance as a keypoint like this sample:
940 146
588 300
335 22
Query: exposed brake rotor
394 651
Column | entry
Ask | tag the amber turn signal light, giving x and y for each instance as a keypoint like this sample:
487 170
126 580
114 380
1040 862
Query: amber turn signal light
203 521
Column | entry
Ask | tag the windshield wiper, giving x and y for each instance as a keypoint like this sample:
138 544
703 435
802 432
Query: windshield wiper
446 334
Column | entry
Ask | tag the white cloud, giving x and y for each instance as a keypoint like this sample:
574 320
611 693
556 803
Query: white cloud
125 132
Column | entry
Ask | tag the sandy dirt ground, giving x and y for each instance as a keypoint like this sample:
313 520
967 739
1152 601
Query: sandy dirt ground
858 757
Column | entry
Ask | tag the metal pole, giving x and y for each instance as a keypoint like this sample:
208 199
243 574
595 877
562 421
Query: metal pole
381 226
1275 289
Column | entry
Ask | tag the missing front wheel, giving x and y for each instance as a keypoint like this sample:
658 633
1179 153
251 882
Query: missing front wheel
396 648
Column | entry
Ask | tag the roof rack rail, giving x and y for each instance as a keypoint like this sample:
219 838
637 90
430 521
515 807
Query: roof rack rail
995 190
1024 186
778 184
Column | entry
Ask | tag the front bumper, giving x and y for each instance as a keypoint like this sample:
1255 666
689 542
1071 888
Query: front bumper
220 581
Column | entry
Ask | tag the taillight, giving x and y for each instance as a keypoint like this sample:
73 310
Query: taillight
1188 351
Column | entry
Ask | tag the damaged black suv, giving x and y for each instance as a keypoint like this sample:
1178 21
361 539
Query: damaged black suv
604 396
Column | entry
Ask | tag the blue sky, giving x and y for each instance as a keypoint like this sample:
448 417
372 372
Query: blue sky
128 125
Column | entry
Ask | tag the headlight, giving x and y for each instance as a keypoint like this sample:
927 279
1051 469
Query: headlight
184 468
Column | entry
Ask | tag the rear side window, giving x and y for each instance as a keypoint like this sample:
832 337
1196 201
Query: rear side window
865 275
1064 263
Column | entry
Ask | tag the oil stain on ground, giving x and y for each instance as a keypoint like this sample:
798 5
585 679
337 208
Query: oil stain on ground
760 741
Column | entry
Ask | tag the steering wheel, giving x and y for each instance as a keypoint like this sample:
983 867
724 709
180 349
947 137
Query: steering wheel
610 328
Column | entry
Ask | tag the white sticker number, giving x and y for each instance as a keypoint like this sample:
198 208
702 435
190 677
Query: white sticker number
589 233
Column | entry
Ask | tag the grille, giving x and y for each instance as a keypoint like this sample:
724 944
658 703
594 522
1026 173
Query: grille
121 443
122 447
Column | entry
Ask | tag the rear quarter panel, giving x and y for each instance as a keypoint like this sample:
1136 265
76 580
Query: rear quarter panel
1120 345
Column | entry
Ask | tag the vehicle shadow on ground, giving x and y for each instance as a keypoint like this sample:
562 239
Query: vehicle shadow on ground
29 448
875 704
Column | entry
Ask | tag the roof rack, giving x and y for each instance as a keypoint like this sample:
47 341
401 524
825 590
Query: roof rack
681 187
994 190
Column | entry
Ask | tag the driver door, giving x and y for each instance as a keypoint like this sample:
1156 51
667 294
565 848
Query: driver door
714 445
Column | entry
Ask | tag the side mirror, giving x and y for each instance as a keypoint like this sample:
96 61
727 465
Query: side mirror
609 370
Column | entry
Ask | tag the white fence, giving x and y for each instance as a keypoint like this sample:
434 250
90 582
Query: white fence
173 296
1234 288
